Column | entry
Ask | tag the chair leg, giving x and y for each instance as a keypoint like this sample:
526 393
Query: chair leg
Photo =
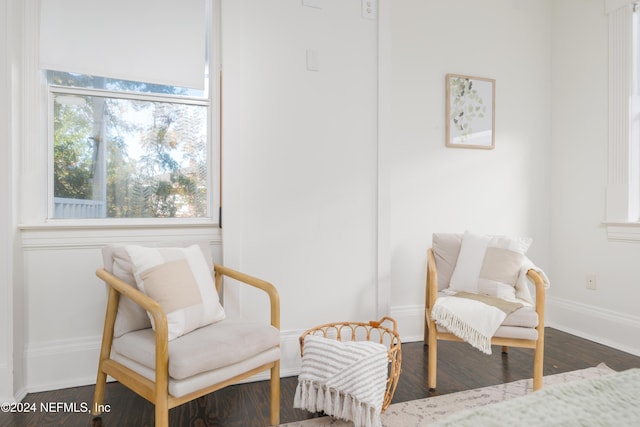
274 418
433 358
98 394
105 350
505 349
426 331
538 363
162 412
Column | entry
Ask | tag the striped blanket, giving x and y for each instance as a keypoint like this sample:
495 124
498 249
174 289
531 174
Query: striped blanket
345 380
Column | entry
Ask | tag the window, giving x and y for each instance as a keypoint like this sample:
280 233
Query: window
124 149
623 186
131 116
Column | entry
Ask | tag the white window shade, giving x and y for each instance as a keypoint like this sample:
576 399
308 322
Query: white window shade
153 41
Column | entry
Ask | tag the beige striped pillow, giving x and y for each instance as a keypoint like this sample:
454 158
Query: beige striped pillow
180 280
489 265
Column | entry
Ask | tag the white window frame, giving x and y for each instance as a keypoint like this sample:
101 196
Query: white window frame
36 176
204 101
623 187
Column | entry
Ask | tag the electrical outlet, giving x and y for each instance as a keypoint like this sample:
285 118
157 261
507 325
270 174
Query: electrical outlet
591 281
312 60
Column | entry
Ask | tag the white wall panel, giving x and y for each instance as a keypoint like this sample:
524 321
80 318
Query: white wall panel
299 154
65 302
6 220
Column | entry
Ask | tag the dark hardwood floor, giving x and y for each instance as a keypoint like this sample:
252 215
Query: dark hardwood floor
460 367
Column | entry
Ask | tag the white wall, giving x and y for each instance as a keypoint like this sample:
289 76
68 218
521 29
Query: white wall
299 156
579 242
439 189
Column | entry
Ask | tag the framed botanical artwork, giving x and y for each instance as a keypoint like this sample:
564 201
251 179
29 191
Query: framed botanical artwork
470 109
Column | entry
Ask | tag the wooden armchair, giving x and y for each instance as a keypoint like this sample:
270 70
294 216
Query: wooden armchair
169 373
522 328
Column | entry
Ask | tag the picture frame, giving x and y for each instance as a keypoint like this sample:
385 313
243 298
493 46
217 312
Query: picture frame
470 111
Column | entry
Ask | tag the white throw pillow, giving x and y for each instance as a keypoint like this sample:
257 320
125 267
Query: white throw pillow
179 279
467 271
489 265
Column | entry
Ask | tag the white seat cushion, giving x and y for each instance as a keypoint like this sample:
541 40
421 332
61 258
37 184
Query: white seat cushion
524 317
211 347
519 324
513 332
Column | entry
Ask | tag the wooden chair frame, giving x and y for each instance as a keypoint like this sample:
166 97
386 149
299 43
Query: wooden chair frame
432 335
157 392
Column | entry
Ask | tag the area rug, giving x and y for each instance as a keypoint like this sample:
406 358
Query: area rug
423 412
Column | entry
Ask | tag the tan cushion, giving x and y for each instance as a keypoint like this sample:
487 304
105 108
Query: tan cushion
180 280
524 317
516 332
211 347
446 247
117 261
512 332
179 388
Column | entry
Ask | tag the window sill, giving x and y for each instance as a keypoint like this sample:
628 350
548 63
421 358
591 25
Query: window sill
58 224
623 231
97 233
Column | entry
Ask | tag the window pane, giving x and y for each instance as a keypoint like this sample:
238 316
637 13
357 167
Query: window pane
128 158
94 82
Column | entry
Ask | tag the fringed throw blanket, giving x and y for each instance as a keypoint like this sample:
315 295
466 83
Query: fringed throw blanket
471 317
345 380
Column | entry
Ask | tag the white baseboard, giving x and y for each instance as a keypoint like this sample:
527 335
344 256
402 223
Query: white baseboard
63 363
6 384
410 319
607 327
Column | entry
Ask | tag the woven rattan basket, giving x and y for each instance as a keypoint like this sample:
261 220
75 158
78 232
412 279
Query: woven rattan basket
371 331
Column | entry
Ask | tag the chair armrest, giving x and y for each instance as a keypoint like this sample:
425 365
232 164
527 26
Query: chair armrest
432 281
541 291
135 295
159 322
271 291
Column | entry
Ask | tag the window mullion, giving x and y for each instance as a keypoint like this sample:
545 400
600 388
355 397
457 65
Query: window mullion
105 93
